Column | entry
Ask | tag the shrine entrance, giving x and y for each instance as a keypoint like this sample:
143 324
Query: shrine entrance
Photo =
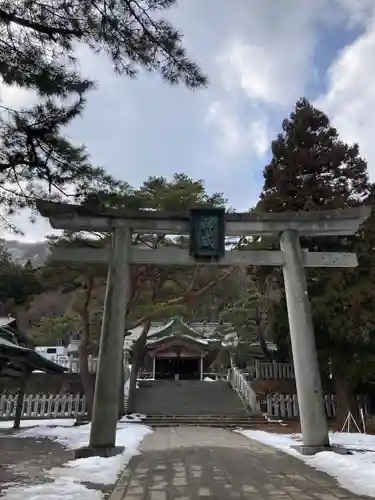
178 368
207 228
177 352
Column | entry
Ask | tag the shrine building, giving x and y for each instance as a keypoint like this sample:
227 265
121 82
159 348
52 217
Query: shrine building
176 350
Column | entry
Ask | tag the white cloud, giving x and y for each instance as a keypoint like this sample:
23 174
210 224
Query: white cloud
271 60
256 71
235 138
265 64
350 97
359 12
260 133
15 97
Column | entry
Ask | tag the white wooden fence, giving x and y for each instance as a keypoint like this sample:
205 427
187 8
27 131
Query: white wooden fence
43 406
286 405
273 370
243 388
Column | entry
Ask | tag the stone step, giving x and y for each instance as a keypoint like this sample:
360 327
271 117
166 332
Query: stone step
253 418
205 421
198 420
221 425
189 397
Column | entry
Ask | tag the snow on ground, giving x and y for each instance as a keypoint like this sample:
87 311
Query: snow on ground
354 472
56 422
66 480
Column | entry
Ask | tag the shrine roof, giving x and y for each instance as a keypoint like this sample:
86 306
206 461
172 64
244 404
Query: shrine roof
174 325
194 340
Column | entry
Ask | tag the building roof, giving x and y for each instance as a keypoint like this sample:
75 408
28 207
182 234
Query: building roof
203 333
160 340
181 341
178 330
195 329
9 345
10 331
16 354
175 326
7 320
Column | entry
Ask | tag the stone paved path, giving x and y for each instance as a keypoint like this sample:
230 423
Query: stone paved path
191 463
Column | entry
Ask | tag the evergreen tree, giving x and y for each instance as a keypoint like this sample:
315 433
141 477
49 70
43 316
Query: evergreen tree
312 169
38 43
17 283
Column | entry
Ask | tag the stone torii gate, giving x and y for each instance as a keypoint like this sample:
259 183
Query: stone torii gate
207 228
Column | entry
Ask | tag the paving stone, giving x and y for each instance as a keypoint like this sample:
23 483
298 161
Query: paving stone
192 463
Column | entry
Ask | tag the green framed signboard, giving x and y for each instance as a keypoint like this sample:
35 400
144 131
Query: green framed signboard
207 233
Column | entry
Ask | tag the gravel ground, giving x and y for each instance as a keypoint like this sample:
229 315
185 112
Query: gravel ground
24 460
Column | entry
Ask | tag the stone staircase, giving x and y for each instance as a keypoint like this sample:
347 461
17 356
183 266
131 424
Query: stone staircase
223 421
214 404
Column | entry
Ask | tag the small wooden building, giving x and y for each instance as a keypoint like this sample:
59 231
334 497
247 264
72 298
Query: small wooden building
17 355
18 360
176 350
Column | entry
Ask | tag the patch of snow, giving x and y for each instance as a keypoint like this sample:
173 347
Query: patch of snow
208 379
273 421
56 422
354 472
66 480
127 387
63 489
133 417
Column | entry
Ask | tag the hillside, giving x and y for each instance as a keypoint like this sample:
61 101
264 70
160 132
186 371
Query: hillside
22 252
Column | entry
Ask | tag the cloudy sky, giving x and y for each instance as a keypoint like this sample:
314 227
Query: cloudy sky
261 56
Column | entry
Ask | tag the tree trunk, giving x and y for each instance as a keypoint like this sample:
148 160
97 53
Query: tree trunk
21 395
86 377
345 398
83 351
264 347
138 353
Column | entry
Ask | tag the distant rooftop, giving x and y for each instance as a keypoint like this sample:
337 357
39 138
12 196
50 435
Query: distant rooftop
204 329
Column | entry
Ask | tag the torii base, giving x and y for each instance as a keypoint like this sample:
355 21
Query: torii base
313 450
89 451
310 450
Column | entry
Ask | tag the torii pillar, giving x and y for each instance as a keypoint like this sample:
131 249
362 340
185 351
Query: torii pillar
306 368
110 366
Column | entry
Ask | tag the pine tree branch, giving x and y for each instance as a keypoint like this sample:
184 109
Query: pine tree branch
154 39
41 28
188 296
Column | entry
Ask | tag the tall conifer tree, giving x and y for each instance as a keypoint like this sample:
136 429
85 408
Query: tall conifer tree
313 169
